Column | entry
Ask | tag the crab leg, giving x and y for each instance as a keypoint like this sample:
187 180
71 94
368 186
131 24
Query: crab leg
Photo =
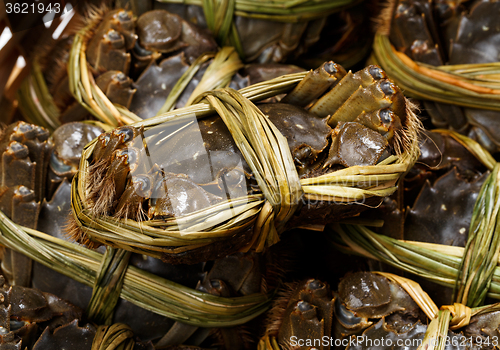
117 86
384 121
376 96
334 99
314 84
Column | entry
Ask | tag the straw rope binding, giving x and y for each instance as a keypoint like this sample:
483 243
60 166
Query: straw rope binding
267 212
141 288
473 85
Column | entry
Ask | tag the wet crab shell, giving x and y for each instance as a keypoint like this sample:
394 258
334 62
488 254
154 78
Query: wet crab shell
262 40
439 33
368 312
440 193
309 311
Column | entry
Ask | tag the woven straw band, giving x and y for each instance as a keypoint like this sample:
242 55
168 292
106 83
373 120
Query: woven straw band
441 84
108 285
448 317
141 288
219 14
474 270
36 102
483 243
459 315
277 10
85 90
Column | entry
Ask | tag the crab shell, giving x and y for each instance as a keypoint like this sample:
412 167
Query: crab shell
440 193
440 32
309 311
262 40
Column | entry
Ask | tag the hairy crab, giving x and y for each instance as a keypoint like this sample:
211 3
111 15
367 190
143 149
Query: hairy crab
452 33
353 119
35 320
308 315
437 203
137 63
262 40
235 275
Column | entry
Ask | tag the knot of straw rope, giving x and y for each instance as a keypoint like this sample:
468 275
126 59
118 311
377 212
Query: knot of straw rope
461 315
482 249
267 153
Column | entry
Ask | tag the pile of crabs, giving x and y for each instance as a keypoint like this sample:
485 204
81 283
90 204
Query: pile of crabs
334 120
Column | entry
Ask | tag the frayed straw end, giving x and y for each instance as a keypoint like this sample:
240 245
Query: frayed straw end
93 17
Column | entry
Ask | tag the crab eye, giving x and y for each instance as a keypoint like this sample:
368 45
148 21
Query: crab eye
386 116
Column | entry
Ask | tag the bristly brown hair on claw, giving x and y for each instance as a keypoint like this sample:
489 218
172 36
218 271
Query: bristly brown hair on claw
99 203
94 15
74 232
226 338
52 55
384 20
275 316
101 188
406 141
